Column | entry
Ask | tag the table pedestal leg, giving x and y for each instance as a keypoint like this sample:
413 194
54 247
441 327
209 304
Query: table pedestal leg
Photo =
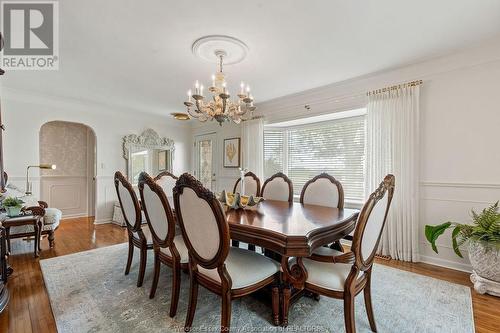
295 277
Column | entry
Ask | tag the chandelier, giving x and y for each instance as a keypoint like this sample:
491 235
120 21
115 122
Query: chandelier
219 106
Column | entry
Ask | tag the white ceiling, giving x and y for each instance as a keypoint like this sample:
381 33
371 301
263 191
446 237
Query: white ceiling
138 53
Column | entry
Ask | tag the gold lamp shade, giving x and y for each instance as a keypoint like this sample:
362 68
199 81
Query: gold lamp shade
180 116
41 166
47 166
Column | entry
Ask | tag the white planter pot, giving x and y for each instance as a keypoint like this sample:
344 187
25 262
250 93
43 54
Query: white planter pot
485 261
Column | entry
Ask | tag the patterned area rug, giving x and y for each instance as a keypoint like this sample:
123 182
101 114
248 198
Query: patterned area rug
89 293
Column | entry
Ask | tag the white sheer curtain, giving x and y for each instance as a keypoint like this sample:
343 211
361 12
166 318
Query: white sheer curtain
252 145
392 145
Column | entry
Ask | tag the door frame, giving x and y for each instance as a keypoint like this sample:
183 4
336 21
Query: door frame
91 174
215 161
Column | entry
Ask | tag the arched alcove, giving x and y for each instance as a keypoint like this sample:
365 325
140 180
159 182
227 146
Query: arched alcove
71 186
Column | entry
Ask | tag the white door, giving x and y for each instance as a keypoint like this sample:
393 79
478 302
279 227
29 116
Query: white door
205 160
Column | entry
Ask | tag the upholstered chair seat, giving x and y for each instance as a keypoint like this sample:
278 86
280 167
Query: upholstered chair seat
51 219
327 252
229 272
345 275
181 248
146 232
169 249
239 264
327 275
139 234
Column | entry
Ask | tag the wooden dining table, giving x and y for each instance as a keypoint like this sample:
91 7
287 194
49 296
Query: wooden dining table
290 230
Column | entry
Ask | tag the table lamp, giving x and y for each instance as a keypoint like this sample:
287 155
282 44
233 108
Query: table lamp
41 166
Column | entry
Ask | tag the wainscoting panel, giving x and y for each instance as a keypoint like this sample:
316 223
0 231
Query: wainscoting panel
451 201
67 193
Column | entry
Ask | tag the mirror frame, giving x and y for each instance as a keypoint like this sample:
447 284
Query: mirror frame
149 139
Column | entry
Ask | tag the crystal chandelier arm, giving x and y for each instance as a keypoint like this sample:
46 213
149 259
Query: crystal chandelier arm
199 105
196 114
224 106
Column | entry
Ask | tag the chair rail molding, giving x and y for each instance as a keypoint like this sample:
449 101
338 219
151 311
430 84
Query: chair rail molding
460 184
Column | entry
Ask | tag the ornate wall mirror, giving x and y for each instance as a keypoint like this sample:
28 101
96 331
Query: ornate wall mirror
147 152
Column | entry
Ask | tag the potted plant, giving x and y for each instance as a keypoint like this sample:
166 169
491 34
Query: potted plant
483 236
13 206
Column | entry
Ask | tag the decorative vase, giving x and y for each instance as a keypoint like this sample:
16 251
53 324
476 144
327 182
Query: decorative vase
485 261
13 211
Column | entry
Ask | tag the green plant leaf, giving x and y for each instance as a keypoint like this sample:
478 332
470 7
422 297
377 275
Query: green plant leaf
455 233
432 233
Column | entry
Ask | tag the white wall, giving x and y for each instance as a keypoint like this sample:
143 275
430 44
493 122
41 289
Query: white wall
23 115
460 123
459 132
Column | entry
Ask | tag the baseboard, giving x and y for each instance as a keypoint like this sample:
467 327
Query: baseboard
446 263
103 221
73 216
434 261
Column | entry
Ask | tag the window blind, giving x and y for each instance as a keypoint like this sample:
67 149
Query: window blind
336 147
273 152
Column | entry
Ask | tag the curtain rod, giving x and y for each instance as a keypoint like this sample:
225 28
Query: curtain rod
398 86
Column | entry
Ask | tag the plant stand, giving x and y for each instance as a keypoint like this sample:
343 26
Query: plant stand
482 285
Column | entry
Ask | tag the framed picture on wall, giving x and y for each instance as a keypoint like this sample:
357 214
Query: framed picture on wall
162 160
232 153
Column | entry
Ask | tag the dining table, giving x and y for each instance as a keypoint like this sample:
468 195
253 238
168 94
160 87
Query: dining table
290 229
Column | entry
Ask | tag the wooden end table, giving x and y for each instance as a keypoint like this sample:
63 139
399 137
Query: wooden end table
35 220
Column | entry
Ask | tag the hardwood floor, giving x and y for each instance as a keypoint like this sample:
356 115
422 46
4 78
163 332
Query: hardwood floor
29 308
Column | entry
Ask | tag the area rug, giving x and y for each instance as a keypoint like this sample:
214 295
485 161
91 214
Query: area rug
89 293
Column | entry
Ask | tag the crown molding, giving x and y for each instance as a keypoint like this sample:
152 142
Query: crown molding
352 92
81 104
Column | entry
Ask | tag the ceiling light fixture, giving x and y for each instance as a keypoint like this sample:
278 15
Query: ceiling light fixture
219 106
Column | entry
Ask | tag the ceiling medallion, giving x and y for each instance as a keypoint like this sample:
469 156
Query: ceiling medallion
219 106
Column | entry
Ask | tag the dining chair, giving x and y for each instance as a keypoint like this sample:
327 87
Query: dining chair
138 234
167 181
345 275
252 187
169 249
323 190
229 272
279 187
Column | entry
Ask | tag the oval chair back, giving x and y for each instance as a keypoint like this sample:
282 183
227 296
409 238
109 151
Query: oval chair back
128 202
323 190
202 221
252 185
279 187
167 182
371 222
157 211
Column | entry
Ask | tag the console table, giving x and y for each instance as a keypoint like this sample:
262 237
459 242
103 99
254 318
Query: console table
35 220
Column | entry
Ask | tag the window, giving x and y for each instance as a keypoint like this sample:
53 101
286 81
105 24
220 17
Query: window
333 146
